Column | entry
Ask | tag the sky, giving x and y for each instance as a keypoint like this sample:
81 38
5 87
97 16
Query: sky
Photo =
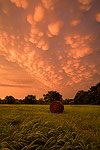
49 45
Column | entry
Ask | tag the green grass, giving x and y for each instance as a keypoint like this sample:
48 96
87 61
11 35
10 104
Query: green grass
33 127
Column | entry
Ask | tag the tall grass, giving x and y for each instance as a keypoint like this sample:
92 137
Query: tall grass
33 127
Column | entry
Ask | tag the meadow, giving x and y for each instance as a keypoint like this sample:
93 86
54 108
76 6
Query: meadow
34 127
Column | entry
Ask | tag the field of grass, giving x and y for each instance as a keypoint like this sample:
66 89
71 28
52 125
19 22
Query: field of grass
34 127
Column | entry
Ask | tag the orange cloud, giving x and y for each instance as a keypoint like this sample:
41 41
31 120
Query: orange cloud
12 55
98 17
43 70
85 2
4 40
43 45
13 36
85 7
79 46
68 40
78 53
39 13
71 69
32 40
75 22
20 3
30 19
48 4
78 72
34 30
49 34
49 54
15 81
55 27
5 12
36 37
40 43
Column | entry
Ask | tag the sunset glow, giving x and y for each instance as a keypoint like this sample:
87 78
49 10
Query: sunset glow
49 45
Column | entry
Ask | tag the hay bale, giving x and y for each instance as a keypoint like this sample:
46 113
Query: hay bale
56 107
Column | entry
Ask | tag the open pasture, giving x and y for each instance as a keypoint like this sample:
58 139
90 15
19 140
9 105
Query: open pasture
34 127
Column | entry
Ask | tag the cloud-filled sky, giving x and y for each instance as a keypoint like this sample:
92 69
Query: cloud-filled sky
49 45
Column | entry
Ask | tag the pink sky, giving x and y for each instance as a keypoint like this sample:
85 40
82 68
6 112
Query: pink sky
49 45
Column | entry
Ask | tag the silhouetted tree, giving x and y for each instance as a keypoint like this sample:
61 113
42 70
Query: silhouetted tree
30 99
17 101
9 100
92 96
68 101
80 97
52 96
1 101
40 101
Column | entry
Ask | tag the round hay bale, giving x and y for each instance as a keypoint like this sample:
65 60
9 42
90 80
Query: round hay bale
56 107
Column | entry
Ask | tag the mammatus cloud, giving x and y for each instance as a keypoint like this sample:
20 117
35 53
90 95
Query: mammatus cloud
30 19
85 5
85 2
55 27
75 22
79 46
36 33
39 13
37 38
48 4
98 17
56 43
20 3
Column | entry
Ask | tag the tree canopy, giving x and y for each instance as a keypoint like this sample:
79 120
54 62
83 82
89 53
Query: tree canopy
30 99
9 100
52 96
92 96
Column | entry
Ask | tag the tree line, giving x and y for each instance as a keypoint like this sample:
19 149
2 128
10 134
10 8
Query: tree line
92 96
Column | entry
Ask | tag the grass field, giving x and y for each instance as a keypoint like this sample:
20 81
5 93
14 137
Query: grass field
33 127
